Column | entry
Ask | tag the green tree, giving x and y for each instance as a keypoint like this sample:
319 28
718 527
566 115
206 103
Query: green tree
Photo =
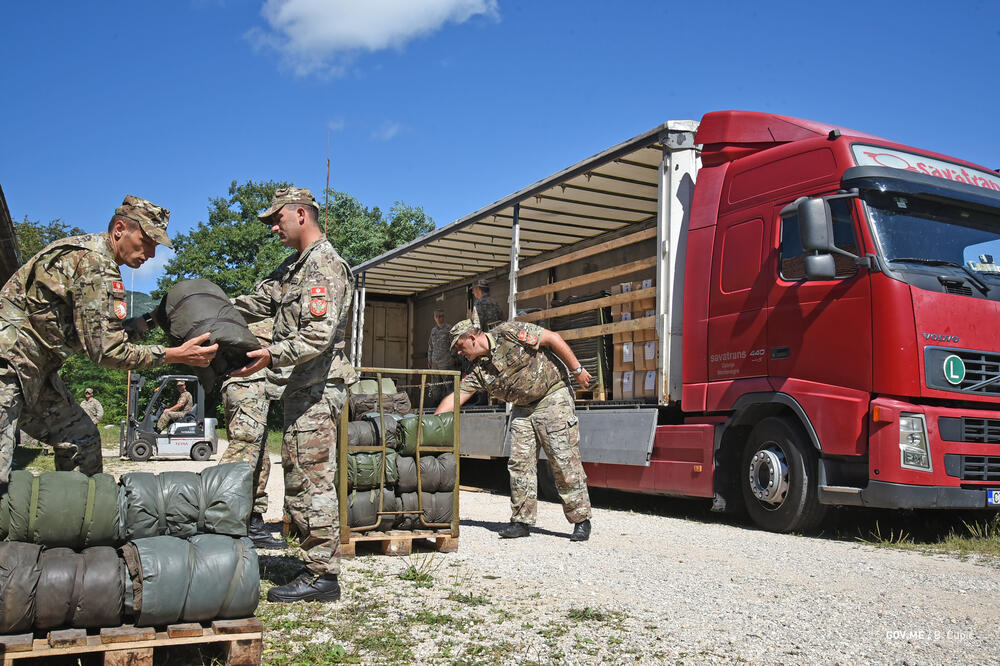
360 233
32 236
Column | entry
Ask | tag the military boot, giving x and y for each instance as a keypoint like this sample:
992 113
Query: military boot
515 530
261 538
307 587
581 531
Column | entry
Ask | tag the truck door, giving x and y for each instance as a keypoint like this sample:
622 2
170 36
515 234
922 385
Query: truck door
820 330
736 327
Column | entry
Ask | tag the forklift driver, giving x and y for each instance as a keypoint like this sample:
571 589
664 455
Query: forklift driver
179 410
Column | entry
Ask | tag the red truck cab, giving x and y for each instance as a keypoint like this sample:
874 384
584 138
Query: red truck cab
840 292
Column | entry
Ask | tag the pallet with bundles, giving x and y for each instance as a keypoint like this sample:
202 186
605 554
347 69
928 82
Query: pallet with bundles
429 513
239 640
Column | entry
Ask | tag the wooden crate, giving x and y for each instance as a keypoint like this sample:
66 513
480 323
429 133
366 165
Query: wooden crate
128 644
400 542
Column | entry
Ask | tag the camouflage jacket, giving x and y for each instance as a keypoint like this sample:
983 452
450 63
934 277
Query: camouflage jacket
185 401
488 313
516 370
94 409
68 298
439 354
309 298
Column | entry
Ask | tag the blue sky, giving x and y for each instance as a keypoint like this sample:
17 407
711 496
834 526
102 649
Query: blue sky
446 104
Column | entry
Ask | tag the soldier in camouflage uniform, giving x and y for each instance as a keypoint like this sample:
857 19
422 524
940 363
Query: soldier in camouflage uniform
509 363
439 357
69 298
485 312
308 297
91 405
177 411
245 402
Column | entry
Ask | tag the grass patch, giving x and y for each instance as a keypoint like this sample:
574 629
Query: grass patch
421 569
468 599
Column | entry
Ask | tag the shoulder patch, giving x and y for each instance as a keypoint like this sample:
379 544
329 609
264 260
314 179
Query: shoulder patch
121 310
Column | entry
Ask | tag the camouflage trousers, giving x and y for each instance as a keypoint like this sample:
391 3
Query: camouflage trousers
309 460
552 423
245 407
56 418
166 418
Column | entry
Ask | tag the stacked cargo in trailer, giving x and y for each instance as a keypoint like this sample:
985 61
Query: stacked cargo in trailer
818 333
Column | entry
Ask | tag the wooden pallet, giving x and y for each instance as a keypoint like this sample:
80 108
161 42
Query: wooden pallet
134 646
400 542
590 394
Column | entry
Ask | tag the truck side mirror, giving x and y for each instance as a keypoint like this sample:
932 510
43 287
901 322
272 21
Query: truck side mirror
815 224
820 266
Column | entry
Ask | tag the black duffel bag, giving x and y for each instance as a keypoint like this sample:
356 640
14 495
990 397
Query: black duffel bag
363 507
193 307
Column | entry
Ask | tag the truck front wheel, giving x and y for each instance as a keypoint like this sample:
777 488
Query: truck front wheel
778 477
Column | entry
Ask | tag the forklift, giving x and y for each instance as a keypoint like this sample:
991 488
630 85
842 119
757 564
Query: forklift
193 436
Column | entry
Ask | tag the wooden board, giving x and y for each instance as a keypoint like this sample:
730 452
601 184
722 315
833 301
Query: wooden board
241 640
586 306
590 278
589 251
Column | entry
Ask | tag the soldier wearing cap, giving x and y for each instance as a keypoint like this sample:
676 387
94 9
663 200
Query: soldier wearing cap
440 356
70 298
485 309
178 410
308 297
513 362
91 405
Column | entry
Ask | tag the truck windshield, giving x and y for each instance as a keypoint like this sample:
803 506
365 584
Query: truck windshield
941 233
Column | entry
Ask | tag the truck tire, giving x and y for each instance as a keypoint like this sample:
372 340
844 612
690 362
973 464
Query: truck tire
201 451
141 450
778 478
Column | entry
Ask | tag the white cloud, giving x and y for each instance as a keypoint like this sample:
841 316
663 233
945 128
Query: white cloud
326 34
386 131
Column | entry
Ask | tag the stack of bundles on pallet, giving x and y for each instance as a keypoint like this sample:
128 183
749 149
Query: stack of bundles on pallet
72 510
437 471
365 397
45 518
592 353
365 472
157 581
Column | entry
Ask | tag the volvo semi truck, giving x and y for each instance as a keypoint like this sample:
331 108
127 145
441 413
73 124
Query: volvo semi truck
811 314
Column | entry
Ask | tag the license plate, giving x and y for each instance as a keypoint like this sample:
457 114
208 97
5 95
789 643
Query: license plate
993 497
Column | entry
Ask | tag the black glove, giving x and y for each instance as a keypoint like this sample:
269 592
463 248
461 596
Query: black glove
136 326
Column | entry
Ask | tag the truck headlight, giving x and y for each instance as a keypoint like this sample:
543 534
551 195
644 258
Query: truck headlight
914 451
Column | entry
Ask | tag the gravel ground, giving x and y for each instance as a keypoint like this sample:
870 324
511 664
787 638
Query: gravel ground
644 589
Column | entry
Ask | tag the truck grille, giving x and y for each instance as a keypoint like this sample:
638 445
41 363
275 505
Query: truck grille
973 468
969 429
980 367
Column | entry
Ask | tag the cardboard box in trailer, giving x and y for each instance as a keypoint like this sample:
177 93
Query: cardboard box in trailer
788 314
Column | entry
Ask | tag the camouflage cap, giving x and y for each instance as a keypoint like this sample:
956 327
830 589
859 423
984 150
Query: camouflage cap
438 312
289 195
152 219
88 391
460 329
482 284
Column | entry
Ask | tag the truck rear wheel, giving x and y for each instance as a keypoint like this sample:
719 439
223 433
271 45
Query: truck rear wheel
778 478
201 451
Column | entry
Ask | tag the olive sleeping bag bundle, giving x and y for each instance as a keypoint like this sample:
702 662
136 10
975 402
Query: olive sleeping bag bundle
193 307
205 577
57 587
216 500
436 430
437 473
364 470
61 509
363 507
392 403
438 508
